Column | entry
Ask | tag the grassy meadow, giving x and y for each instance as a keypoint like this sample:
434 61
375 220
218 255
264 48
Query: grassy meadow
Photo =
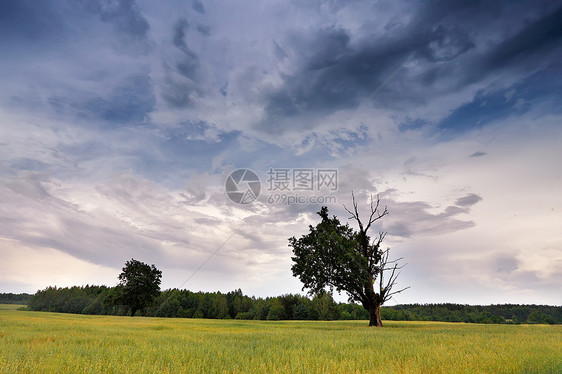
34 342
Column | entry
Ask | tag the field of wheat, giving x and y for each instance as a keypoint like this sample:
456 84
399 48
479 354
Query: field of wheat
34 342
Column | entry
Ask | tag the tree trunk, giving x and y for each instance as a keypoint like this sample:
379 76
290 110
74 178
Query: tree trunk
133 311
375 316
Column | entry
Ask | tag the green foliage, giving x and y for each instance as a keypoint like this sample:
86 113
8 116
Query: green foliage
329 256
507 313
324 307
537 316
14 298
352 311
71 300
334 256
301 311
138 288
276 310
245 315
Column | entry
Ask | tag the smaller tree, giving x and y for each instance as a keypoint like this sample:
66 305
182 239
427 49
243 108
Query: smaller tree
138 288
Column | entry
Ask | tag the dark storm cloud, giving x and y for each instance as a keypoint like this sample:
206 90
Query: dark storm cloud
176 93
448 45
505 263
129 102
415 167
29 20
279 52
415 219
28 164
532 43
539 88
77 63
180 27
445 44
198 6
468 200
124 14
186 147
517 35
334 76
204 29
478 154
189 66
36 21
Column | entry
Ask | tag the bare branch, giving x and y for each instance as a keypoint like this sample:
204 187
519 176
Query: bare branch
375 214
393 261
379 264
389 296
386 289
355 213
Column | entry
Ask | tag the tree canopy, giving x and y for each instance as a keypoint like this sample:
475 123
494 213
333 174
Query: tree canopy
138 288
335 256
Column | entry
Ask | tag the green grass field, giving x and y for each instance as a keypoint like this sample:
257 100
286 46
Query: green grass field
32 342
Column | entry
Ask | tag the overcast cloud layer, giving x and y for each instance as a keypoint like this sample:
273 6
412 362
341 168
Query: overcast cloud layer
120 122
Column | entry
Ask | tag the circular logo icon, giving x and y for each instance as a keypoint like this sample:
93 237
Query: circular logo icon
243 186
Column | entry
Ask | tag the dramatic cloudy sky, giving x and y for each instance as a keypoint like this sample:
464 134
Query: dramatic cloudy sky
120 122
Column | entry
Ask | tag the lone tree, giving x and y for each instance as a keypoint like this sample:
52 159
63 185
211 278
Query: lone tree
138 288
333 255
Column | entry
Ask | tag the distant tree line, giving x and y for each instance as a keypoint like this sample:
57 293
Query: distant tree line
235 305
186 304
15 298
505 313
